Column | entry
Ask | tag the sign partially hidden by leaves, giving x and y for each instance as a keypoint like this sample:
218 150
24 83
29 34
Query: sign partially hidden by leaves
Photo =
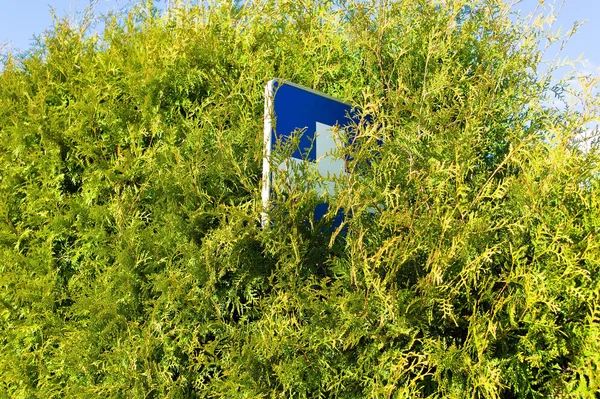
318 121
133 260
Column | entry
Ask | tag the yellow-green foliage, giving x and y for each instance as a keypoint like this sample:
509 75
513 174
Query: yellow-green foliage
132 259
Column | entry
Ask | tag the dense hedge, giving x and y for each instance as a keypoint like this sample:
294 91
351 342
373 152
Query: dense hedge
132 259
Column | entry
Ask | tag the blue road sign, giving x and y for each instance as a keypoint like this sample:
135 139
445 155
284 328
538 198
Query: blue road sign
290 108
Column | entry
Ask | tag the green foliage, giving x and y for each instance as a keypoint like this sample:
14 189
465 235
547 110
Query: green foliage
134 265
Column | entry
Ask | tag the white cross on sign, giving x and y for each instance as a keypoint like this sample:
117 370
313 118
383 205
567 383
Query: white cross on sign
327 164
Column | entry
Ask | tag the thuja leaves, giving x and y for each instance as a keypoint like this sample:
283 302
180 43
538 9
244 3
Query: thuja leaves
134 264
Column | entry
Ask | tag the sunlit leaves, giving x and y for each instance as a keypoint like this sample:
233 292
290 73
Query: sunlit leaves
133 262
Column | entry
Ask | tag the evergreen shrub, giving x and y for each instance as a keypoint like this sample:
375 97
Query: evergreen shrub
133 263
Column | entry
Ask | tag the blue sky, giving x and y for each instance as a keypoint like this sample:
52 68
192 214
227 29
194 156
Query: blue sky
585 41
20 20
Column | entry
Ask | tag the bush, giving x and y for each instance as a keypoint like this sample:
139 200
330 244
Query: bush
134 264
